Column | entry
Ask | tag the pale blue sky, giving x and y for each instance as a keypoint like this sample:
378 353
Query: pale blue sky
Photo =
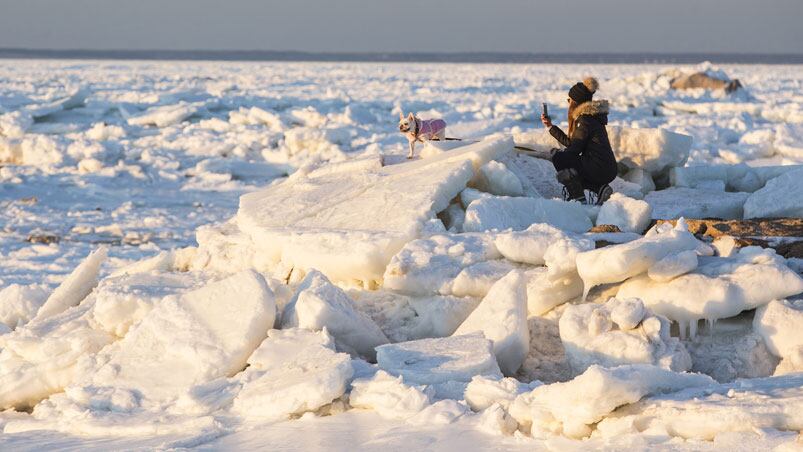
744 26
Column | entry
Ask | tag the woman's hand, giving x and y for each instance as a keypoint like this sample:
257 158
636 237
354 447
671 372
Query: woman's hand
546 121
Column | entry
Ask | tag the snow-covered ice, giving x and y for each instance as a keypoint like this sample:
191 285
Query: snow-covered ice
19 304
779 323
502 318
334 222
389 396
619 262
212 255
651 150
718 288
676 202
777 198
477 279
483 392
673 266
630 215
571 408
439 360
190 339
431 265
495 178
607 335
405 318
292 372
703 413
739 177
320 304
502 212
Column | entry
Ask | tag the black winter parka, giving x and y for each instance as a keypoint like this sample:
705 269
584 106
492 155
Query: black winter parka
589 142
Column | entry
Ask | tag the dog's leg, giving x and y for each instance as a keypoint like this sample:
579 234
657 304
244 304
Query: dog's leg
412 149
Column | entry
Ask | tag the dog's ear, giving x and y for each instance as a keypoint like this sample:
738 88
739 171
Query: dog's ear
401 116
411 116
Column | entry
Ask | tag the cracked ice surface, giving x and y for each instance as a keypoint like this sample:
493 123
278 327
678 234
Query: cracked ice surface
349 225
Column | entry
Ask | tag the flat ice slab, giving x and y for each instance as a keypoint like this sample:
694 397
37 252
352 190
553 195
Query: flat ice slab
735 177
431 361
349 225
676 202
779 198
497 213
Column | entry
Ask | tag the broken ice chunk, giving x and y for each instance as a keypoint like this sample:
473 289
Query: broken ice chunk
500 213
618 262
718 288
76 287
439 360
298 371
344 224
425 266
495 178
184 341
676 202
673 266
502 318
482 391
389 396
778 198
780 323
588 335
571 408
630 215
319 303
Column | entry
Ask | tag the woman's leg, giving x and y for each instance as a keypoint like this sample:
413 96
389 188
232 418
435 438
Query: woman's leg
601 190
568 167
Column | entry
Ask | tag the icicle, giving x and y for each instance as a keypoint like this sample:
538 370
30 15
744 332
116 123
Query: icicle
692 328
710 323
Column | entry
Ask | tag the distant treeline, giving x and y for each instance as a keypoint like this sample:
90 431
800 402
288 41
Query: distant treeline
466 57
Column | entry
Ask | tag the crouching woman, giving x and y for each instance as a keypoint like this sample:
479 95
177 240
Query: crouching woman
588 162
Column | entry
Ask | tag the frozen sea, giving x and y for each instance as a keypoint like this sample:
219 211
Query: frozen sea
145 187
138 154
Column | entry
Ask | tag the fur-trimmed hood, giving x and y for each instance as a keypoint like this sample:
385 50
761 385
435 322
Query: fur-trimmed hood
591 108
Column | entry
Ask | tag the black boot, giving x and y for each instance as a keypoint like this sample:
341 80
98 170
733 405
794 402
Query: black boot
603 194
572 186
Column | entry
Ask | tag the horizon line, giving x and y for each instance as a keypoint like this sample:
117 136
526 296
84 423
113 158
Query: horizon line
405 57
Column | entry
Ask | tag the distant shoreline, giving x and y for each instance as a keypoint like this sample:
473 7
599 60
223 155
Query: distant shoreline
379 57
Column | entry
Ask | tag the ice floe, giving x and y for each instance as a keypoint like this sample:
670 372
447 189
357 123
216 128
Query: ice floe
336 222
502 318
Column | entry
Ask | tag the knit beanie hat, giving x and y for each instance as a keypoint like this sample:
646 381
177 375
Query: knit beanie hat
583 92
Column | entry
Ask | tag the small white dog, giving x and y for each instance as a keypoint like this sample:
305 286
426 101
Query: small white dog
416 129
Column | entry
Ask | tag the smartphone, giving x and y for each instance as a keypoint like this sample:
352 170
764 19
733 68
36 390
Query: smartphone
544 110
